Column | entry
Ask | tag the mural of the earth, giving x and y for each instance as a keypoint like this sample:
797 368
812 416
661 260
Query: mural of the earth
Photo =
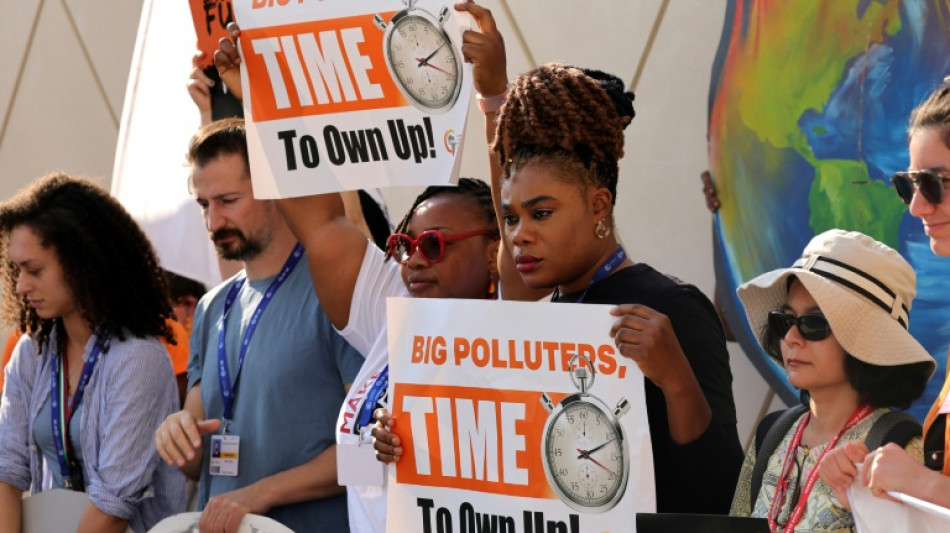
808 112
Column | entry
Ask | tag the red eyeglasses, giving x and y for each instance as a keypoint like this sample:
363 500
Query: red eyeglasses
431 244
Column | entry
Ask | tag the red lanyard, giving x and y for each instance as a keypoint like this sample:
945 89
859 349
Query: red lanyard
781 489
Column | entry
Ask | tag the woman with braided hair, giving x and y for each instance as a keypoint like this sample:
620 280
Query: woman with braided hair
557 136
89 381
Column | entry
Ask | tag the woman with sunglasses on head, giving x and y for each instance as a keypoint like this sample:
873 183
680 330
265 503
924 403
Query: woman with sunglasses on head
557 137
89 381
837 322
923 188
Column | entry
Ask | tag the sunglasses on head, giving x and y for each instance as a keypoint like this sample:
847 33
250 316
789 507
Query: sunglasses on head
430 243
812 326
928 182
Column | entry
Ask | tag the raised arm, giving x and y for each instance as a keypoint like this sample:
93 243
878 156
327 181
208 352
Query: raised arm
485 49
335 249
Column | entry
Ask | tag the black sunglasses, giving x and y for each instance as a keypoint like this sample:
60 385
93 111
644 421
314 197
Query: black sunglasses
812 326
928 182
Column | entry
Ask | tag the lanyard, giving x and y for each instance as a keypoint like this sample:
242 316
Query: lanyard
604 270
224 376
372 398
62 413
781 488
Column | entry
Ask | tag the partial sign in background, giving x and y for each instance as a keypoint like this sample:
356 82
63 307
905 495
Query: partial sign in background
808 111
500 428
342 95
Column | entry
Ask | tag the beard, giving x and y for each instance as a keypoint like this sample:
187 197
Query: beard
239 249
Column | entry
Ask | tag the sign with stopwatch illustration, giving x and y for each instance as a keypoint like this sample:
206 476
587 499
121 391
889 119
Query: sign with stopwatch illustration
421 57
342 95
520 413
583 446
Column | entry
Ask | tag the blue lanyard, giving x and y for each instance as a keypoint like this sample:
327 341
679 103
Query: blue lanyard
605 269
372 398
224 376
61 416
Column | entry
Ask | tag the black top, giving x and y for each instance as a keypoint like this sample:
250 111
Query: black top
699 477
935 445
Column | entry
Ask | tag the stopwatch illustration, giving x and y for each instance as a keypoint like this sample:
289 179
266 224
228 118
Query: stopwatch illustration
583 447
421 58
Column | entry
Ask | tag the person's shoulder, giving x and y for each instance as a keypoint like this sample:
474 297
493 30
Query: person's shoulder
146 350
214 296
655 284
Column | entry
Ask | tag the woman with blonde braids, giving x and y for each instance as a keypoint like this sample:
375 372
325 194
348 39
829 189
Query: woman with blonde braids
557 143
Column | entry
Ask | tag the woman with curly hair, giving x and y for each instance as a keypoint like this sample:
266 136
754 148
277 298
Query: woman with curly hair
557 139
89 381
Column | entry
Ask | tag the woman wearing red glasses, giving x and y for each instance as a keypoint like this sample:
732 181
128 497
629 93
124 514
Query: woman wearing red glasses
837 322
923 188
445 247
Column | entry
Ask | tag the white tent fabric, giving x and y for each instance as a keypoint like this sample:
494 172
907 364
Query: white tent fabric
158 118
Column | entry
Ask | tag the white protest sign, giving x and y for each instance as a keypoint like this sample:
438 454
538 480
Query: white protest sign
878 515
55 510
188 523
342 95
514 416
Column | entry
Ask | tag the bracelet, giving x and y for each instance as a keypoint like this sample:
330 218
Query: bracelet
493 103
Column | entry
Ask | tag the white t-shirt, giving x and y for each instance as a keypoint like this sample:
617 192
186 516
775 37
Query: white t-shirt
366 331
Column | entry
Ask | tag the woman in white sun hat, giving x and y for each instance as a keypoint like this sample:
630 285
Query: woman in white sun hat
837 322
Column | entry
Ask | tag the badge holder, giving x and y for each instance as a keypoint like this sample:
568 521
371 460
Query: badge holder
356 463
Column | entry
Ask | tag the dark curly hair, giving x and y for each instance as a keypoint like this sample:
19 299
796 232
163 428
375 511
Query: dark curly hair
933 113
477 190
878 386
568 116
108 263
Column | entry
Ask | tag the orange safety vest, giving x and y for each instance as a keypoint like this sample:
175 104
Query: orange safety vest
932 416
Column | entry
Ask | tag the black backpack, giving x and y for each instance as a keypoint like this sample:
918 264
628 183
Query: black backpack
893 426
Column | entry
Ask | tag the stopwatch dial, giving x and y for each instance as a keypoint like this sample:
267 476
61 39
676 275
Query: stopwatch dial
424 61
585 454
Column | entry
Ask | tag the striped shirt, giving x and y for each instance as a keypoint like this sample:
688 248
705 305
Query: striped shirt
131 391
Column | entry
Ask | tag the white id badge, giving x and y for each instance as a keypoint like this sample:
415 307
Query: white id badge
224 455
357 465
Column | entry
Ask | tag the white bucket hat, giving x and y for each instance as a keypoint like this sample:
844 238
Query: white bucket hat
863 287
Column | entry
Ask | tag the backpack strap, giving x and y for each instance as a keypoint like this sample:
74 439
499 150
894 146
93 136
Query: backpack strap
773 428
893 426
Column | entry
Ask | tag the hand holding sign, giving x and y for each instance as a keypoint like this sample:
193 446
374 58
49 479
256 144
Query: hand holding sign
385 442
228 61
839 468
486 50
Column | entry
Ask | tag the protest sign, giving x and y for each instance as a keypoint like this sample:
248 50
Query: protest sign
55 510
514 416
342 95
878 515
188 523
211 18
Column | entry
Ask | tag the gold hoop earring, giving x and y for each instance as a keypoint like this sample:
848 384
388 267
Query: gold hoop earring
602 230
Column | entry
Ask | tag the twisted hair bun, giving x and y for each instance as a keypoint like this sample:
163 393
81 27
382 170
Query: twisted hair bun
564 113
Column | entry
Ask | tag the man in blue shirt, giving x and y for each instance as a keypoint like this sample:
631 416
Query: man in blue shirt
267 372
